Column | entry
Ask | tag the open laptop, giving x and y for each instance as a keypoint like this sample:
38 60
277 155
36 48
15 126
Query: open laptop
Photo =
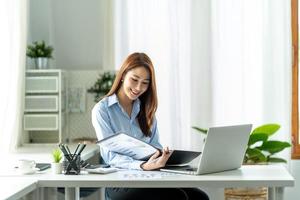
224 149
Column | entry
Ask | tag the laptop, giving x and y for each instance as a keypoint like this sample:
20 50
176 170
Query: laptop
224 149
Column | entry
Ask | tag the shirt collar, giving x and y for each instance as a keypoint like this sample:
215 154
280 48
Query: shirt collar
113 99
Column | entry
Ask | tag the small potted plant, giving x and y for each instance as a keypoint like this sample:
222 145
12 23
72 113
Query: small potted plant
102 85
56 165
41 53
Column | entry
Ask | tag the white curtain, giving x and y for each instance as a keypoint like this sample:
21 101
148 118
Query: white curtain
237 67
251 63
161 29
12 62
237 53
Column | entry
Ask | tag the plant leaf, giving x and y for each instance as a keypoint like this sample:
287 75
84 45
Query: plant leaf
201 130
255 155
258 137
276 160
57 155
273 146
39 49
269 129
102 85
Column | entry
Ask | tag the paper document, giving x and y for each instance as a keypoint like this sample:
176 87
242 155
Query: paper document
124 144
134 175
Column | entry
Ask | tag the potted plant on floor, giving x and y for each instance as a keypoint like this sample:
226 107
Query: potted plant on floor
41 53
56 165
261 149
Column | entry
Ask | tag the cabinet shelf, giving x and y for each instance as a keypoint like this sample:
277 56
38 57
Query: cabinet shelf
45 99
41 103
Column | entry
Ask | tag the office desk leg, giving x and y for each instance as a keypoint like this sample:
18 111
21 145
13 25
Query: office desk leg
72 193
102 193
37 194
276 193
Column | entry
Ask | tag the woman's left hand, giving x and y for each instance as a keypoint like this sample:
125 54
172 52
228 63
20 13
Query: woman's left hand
156 161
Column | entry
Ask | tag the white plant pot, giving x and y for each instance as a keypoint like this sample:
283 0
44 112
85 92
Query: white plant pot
56 168
41 62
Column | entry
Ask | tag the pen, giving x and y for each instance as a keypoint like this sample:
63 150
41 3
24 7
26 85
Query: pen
76 150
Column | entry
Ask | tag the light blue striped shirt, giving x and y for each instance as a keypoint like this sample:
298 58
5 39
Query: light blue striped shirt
109 118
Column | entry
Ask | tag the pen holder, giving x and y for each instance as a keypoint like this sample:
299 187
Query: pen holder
71 164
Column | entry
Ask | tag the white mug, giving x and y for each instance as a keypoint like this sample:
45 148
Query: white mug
26 164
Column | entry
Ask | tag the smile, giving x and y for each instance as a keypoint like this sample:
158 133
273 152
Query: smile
134 93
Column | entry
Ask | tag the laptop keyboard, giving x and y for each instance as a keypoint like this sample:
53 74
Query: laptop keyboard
182 168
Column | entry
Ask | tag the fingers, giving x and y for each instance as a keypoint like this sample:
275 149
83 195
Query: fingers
157 153
166 152
165 156
154 156
158 159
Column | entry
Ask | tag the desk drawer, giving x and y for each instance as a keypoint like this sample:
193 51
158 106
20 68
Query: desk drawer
41 103
41 84
41 122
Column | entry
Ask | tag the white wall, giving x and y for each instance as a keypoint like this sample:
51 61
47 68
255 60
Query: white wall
38 20
80 122
78 31
77 34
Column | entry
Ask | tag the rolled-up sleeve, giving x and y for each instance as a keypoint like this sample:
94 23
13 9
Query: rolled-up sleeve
103 128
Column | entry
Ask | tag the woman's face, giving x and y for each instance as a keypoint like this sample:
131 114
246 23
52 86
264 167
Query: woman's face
136 82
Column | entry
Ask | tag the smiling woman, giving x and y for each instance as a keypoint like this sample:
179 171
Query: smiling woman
12 51
130 107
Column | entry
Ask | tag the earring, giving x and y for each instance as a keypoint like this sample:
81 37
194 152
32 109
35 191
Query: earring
122 80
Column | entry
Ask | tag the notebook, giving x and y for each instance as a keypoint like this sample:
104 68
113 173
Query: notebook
127 145
43 166
223 150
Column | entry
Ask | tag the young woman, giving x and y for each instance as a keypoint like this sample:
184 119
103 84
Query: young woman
129 107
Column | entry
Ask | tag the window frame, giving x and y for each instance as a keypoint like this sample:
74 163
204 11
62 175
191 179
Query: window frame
295 81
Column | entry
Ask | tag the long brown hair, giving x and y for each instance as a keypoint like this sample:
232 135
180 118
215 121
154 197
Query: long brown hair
148 98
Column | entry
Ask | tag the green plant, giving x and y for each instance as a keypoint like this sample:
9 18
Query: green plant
260 149
57 155
39 49
102 85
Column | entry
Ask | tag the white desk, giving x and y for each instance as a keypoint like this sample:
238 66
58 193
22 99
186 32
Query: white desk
273 177
17 185
41 153
14 188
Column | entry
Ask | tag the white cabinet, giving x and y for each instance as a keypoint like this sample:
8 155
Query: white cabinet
44 110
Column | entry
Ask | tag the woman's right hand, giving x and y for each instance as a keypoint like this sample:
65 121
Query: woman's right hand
156 161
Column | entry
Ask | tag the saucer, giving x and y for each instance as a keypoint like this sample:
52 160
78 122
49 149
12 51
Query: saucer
28 171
